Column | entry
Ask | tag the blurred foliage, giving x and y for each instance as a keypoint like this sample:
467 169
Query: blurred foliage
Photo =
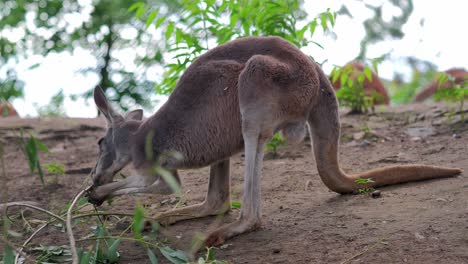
31 147
203 24
377 28
456 94
102 27
351 92
55 107
276 141
402 92
183 29
10 87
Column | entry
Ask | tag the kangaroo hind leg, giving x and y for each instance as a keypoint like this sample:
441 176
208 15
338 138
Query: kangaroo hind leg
260 116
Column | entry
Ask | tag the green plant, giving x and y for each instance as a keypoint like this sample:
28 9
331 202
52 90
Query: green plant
403 92
202 22
456 94
31 147
236 204
364 183
210 257
366 129
11 87
8 255
56 169
275 142
106 246
351 92
52 254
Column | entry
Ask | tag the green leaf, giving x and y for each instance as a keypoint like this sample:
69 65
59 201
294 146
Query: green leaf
169 30
112 252
39 171
31 150
136 6
8 255
170 180
343 78
85 258
313 26
236 204
179 35
151 18
159 22
323 21
138 221
361 79
152 257
174 256
368 73
331 18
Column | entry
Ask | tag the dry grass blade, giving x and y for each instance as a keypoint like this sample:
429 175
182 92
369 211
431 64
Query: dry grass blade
71 238
371 247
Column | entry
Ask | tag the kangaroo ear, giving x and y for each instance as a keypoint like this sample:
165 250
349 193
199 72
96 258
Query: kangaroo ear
101 102
134 115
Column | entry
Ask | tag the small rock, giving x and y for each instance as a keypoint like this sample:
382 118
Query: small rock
419 236
456 136
365 143
308 184
359 135
421 132
441 200
172 201
437 122
375 194
415 139
276 250
122 225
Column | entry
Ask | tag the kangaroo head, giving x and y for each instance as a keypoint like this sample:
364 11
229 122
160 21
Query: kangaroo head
114 149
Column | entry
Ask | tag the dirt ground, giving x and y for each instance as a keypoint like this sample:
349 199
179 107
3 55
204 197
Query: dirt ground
303 222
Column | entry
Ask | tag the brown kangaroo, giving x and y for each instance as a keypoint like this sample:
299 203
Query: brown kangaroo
459 76
375 85
233 97
6 109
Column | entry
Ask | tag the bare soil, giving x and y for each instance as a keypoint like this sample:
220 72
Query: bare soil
303 222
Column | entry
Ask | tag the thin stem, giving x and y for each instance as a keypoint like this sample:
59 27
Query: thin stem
35 208
121 238
71 238
29 240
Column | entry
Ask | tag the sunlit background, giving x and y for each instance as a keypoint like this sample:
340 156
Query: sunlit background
434 32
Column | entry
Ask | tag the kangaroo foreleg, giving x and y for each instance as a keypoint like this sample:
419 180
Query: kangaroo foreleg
217 200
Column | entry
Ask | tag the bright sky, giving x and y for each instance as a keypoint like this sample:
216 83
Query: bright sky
442 40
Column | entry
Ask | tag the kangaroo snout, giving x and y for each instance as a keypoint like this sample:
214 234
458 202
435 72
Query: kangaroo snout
93 197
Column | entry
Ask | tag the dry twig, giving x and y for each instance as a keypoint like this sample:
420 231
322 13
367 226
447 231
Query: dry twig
71 238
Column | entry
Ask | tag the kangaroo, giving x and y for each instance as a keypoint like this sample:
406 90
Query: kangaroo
370 87
6 110
459 75
233 98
